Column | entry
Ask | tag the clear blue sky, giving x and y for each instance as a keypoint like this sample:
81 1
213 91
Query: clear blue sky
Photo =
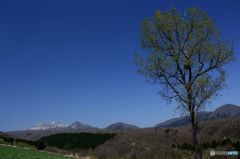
73 60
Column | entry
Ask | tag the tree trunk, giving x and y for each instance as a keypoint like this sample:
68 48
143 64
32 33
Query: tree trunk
195 128
195 135
196 144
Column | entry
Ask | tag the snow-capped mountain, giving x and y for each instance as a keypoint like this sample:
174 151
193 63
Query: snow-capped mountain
51 125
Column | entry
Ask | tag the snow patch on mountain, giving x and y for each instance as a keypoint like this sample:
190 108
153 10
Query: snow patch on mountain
50 125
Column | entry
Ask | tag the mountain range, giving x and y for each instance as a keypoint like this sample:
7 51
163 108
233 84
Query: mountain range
225 111
78 126
40 130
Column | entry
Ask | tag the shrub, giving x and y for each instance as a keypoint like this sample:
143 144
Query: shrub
40 145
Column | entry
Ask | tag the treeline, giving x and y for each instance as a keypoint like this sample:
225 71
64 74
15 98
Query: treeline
21 142
213 144
76 141
68 141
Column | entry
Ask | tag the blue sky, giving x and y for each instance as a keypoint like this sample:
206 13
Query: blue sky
73 60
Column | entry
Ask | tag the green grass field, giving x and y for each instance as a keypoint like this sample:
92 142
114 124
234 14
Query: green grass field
7 152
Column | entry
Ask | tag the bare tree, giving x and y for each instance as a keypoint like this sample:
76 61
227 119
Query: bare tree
186 57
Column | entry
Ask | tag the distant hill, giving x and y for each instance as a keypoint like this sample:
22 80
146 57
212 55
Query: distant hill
80 126
225 111
120 127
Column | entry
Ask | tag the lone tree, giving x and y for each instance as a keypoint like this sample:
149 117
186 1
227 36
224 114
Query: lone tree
186 57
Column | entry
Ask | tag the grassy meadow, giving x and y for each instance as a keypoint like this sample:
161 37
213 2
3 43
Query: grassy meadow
8 152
